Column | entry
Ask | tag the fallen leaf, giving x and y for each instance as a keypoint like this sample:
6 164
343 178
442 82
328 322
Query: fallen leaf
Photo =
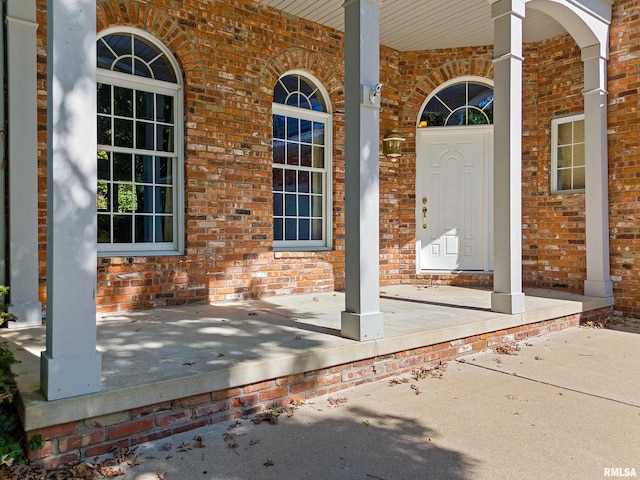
188 363
537 357
268 463
254 441
166 446
199 442
366 423
336 402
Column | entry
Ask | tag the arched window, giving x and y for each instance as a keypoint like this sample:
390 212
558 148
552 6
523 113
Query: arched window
140 160
464 103
301 165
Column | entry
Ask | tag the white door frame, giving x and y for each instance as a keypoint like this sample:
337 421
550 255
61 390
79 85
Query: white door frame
422 135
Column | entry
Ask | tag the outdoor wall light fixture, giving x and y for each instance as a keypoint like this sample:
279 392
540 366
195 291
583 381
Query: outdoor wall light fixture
392 145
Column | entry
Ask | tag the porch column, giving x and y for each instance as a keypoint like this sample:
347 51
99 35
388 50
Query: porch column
23 162
507 194
598 282
362 319
71 365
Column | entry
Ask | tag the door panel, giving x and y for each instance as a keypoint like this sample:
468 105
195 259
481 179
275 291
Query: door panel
453 186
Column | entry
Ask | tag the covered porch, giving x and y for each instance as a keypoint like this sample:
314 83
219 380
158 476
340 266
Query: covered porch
174 369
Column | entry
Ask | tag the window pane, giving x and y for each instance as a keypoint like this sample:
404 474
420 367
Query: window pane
290 205
318 157
305 131
145 105
104 228
278 151
304 182
141 69
104 98
124 65
123 133
164 170
316 182
303 229
303 206
124 200
104 166
578 155
144 199
164 141
278 127
144 135
316 230
316 206
164 108
291 229
122 228
123 101
564 179
164 229
565 133
164 200
104 130
278 208
290 182
119 43
278 229
293 153
458 117
278 179
144 169
103 197
454 96
122 169
578 131
305 155
578 178
293 129
318 133
564 156
105 56
144 228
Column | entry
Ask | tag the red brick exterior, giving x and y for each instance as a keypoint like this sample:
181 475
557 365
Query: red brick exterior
96 436
232 53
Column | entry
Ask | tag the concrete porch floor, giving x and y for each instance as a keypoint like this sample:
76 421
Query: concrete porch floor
170 353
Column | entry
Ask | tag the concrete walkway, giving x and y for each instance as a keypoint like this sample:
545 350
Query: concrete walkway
567 406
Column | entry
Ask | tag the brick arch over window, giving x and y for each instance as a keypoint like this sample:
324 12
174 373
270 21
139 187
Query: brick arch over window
459 68
297 59
165 28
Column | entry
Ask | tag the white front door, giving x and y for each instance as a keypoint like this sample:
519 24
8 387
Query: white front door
453 198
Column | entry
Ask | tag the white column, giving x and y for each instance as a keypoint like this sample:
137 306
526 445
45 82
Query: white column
22 141
362 319
598 282
71 365
507 17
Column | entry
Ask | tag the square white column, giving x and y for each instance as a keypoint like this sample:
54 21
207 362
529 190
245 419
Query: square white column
362 319
22 140
598 282
507 296
71 364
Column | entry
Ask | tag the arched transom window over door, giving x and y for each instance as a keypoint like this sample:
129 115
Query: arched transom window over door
464 103
301 164
140 155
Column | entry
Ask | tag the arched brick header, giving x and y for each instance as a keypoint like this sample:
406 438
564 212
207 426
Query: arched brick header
162 26
438 76
297 59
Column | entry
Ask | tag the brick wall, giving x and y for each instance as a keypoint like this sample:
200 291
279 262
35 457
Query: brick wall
96 436
231 54
624 157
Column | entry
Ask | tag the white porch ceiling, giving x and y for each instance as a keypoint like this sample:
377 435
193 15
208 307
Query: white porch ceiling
424 24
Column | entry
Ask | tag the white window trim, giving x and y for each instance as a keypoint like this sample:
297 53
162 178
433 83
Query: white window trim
555 123
327 227
175 89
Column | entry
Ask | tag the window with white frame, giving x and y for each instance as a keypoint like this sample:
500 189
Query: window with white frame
567 154
301 165
140 162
